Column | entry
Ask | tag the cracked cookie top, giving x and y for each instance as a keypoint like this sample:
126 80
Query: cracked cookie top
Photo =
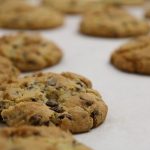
134 56
68 6
74 105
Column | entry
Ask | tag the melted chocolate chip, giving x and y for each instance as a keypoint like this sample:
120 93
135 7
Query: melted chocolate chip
65 116
47 123
58 109
94 114
80 84
33 99
35 120
88 103
51 103
31 62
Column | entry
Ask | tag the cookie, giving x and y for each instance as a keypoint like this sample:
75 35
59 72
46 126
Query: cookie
18 16
123 2
29 52
133 57
39 138
68 6
74 105
112 22
7 71
147 15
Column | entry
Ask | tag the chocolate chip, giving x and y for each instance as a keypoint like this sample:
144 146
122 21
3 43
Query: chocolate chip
58 109
65 116
31 62
15 46
33 99
51 82
88 103
51 103
30 87
47 123
35 120
80 84
93 115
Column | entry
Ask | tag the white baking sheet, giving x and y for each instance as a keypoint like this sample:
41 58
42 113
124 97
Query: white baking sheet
127 126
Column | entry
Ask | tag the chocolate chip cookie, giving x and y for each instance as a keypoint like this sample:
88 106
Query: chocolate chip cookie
133 57
8 72
68 6
38 138
112 22
29 52
18 16
73 103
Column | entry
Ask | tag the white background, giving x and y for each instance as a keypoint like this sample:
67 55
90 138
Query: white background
127 126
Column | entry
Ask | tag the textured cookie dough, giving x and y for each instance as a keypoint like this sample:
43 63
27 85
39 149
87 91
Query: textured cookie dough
7 71
21 15
28 113
38 138
112 22
68 6
29 52
74 105
133 57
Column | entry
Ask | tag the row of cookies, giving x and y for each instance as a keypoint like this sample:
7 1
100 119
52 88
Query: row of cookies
79 6
65 100
98 19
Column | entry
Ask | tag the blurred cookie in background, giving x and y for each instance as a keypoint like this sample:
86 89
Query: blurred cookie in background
109 21
147 14
123 2
68 6
29 52
8 72
18 14
134 56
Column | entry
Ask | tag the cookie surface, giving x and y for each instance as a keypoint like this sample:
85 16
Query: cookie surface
147 13
7 71
31 114
38 138
18 16
133 57
29 52
68 6
112 22
70 98
123 2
